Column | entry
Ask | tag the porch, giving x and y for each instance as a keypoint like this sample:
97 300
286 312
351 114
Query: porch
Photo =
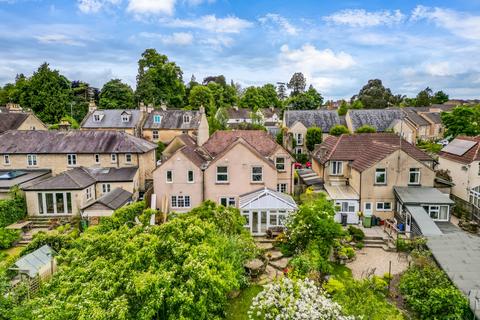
264 209
347 201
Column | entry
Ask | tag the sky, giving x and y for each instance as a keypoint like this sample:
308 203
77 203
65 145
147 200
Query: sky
338 45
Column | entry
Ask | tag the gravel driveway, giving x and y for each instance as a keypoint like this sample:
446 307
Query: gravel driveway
376 261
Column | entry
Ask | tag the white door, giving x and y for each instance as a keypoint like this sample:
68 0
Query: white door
367 209
408 222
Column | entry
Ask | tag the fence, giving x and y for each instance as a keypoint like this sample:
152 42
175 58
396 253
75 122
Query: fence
472 212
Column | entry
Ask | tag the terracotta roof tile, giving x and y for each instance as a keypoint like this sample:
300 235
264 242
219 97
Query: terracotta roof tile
364 150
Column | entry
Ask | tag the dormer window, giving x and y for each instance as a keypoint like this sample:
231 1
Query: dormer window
186 118
125 117
157 118
96 118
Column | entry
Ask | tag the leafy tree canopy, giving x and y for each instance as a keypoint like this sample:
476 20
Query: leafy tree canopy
201 96
440 97
217 79
116 95
308 100
297 83
159 80
374 95
366 129
313 137
424 98
338 130
463 120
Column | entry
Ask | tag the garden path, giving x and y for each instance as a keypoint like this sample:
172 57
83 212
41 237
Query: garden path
377 261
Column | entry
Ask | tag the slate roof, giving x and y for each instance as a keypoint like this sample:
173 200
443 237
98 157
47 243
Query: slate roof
268 112
434 117
238 113
173 119
324 119
81 177
412 115
471 155
11 120
33 262
115 199
380 119
259 140
112 118
21 178
366 149
74 141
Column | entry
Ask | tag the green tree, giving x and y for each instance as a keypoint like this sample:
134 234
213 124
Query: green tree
374 95
220 80
116 95
269 93
463 120
440 97
297 83
309 100
159 80
253 99
281 91
338 130
343 109
313 137
357 104
279 138
48 94
159 150
366 129
201 96
424 98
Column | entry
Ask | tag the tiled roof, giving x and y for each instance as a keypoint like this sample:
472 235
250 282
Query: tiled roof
364 150
115 199
433 116
324 119
74 141
269 112
112 118
173 119
380 119
11 121
239 113
81 177
413 115
471 155
260 140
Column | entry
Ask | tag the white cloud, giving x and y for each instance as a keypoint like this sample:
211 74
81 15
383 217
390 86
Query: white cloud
279 21
94 6
218 41
461 24
363 18
311 59
211 23
177 38
151 7
58 39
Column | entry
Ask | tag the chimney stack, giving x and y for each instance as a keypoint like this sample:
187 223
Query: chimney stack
163 106
141 106
92 106
150 108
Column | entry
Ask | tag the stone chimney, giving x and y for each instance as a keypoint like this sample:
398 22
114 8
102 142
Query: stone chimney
163 106
201 109
272 108
150 108
141 106
92 106
64 125
13 107
235 107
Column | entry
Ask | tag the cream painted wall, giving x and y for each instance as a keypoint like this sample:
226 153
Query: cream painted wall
58 163
179 164
165 136
78 200
464 180
32 123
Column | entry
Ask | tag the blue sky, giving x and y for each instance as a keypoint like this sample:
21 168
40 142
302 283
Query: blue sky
338 45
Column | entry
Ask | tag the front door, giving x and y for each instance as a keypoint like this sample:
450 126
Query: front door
262 222
368 211
255 222
408 222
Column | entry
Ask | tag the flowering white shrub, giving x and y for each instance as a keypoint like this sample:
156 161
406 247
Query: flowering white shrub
294 299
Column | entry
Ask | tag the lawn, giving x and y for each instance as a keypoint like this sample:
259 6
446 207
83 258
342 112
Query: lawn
10 252
238 307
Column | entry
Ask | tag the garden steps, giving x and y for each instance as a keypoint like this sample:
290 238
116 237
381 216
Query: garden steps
262 239
280 264
264 245
274 255
270 275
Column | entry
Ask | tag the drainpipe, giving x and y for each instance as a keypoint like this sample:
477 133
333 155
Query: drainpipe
203 184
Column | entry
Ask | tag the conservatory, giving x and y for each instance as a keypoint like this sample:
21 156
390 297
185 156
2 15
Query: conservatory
264 209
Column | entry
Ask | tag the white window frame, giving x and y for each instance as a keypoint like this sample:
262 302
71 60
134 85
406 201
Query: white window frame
155 135
380 206
378 173
169 179
229 201
415 171
188 176
113 157
96 118
6 159
299 139
42 207
186 118
336 168
71 159
180 202
157 117
96 158
125 118
217 174
32 160
282 187
298 150
281 165
126 158
88 193
106 188
253 174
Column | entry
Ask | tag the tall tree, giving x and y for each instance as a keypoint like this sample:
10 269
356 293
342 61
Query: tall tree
217 79
424 98
440 97
281 91
116 95
201 96
463 120
309 100
48 94
253 99
374 95
269 93
159 80
313 137
297 83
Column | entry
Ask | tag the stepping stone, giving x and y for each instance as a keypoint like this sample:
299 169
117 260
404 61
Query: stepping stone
280 264
269 275
274 255
264 245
